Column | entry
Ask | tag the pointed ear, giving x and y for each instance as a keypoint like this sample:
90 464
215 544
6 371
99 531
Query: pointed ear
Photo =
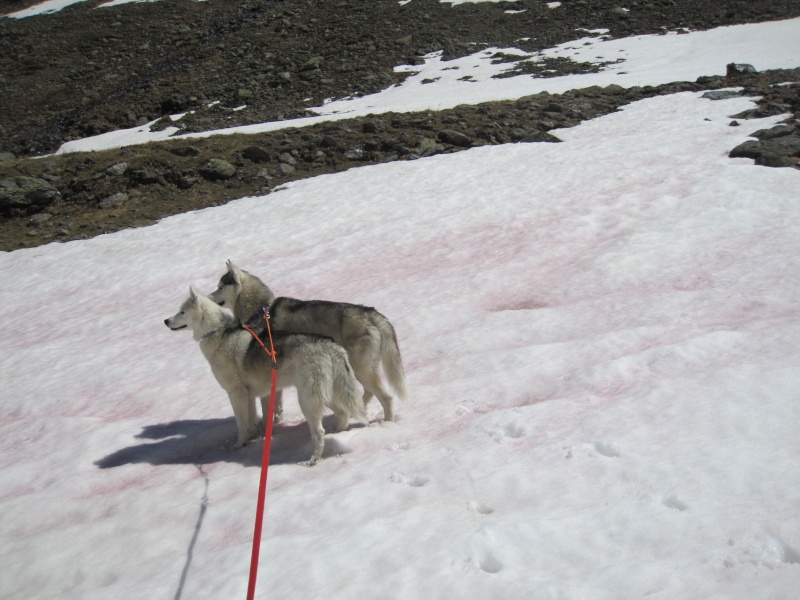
193 293
235 272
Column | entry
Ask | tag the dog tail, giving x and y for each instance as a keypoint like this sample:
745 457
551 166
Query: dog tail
345 386
390 355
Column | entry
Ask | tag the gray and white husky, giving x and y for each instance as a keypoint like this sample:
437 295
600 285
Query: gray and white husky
366 334
315 365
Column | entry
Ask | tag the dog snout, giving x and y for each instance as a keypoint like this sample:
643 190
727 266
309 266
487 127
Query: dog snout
166 322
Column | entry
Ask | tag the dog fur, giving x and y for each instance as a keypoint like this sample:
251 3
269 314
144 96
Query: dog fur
366 334
317 366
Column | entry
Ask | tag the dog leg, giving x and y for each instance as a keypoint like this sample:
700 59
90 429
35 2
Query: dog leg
312 406
367 397
317 441
240 402
388 409
342 419
252 417
365 358
372 383
278 416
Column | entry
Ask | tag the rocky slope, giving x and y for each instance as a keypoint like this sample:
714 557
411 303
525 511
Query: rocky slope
87 70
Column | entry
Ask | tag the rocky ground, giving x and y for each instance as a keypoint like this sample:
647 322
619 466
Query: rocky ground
84 71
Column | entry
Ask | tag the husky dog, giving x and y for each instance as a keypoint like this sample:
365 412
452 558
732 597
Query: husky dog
315 365
366 334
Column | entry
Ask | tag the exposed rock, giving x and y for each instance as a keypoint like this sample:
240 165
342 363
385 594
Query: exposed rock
145 177
287 159
772 159
770 152
748 149
517 134
373 126
734 69
160 125
328 141
256 154
775 132
117 169
25 192
721 95
218 169
787 145
450 136
187 181
541 136
40 219
426 147
614 89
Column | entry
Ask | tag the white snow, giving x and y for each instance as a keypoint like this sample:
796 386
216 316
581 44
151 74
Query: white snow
602 342
118 2
43 8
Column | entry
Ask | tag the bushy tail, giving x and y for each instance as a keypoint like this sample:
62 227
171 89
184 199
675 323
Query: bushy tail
390 355
346 392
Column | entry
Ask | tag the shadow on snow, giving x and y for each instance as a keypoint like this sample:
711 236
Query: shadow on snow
201 442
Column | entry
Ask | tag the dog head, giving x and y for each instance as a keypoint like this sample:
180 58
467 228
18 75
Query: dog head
197 313
229 286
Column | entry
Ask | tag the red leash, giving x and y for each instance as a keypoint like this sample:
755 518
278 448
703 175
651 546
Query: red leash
262 486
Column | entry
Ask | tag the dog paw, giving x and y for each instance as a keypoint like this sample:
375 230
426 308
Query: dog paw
237 445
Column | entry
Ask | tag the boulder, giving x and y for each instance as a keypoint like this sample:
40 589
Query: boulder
541 136
734 69
772 133
25 192
256 154
117 169
721 95
456 138
40 219
218 169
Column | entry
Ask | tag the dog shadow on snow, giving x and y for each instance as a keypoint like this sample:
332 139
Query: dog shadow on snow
200 442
